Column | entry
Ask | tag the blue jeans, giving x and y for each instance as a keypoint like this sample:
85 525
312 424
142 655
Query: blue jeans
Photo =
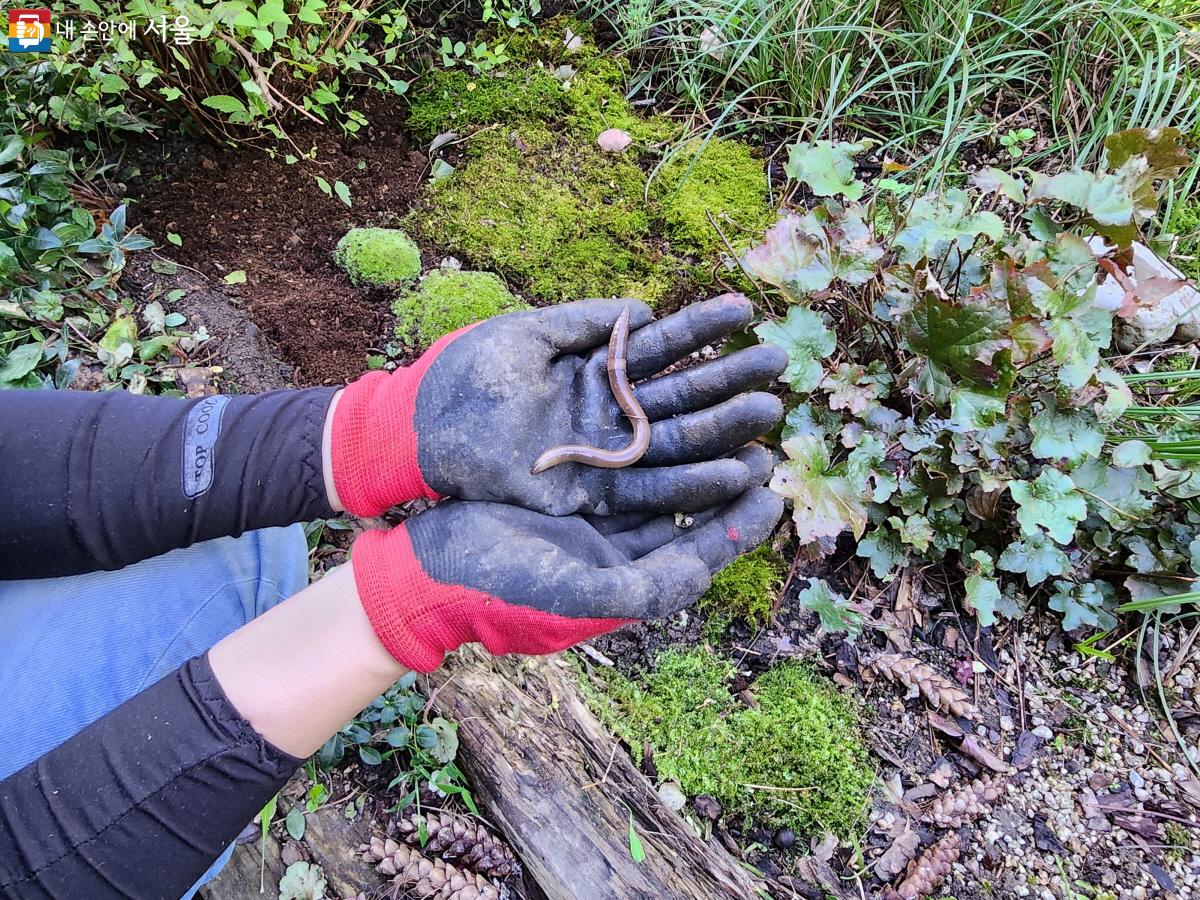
75 648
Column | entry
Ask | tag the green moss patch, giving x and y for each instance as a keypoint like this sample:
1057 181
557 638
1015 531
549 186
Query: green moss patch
535 199
801 746
745 589
722 179
446 300
1185 222
378 256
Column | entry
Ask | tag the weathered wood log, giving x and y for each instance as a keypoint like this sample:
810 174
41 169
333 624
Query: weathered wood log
331 840
563 791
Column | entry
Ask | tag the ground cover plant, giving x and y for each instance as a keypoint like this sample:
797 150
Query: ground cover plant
965 408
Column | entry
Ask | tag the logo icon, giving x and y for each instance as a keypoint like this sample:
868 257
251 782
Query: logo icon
29 30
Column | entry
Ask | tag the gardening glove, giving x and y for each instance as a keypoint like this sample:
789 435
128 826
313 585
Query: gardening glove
470 416
519 581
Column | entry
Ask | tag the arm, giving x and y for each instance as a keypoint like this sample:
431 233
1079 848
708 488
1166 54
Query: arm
99 481
140 803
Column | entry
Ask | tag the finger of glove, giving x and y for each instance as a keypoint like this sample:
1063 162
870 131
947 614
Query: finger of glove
653 348
759 460
587 324
676 574
619 522
647 591
712 432
739 527
648 537
683 488
713 382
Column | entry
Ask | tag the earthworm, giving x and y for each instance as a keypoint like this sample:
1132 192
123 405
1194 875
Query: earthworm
618 382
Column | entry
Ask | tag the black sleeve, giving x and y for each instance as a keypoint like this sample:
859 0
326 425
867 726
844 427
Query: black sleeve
139 803
99 481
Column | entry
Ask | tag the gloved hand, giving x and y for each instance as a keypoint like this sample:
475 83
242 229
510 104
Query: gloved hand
470 416
518 581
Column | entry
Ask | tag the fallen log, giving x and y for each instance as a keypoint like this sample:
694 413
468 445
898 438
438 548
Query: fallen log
563 791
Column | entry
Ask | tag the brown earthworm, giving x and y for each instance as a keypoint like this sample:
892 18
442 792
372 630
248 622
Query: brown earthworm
618 381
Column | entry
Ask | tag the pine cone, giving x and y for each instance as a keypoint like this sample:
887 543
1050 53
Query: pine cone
466 842
938 691
966 804
926 874
429 879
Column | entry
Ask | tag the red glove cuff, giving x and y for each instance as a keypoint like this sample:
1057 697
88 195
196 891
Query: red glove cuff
375 438
419 620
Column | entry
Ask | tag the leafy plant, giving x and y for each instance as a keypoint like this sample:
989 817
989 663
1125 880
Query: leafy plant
951 398
393 732
1013 141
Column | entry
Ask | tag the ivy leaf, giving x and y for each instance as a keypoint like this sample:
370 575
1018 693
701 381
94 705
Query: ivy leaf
1117 495
1050 502
804 254
1163 148
1084 604
1106 196
1036 557
883 552
1065 434
1117 396
1074 351
914 531
805 339
943 219
983 591
1130 454
827 168
836 613
824 502
991 180
864 468
854 389
956 340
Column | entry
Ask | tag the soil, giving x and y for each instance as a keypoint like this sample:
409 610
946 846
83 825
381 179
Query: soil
239 210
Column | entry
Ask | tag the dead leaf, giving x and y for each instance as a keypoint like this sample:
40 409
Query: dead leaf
982 754
446 137
198 381
897 857
824 850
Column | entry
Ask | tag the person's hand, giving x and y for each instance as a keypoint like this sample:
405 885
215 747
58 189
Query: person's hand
469 418
518 581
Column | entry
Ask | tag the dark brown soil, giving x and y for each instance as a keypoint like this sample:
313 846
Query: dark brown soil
238 209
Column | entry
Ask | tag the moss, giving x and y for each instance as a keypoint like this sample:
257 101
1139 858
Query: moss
453 100
745 589
802 734
536 200
378 256
1185 222
723 179
446 300
567 222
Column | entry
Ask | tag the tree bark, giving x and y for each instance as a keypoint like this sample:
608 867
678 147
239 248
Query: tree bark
564 792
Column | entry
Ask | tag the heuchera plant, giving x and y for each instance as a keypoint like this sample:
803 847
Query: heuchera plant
951 396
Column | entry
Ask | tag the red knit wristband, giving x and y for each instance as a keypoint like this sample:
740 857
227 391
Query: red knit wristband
375 437
419 620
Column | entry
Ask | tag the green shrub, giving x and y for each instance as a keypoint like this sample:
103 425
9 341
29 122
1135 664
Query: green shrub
745 589
803 733
382 257
446 300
